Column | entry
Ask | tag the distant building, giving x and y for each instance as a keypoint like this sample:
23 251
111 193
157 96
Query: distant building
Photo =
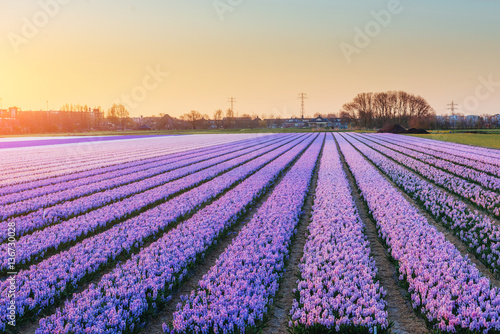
337 123
246 122
313 123
295 123
143 127
14 111
472 119
319 122
495 120
273 123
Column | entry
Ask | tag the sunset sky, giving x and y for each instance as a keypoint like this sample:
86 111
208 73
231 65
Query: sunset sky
262 52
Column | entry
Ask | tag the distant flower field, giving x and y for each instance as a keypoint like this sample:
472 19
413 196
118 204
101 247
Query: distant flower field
202 233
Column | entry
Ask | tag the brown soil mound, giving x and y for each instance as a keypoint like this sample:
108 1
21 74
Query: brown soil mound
417 131
396 128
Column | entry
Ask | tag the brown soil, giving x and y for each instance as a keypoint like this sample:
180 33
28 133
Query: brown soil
396 128
400 311
417 131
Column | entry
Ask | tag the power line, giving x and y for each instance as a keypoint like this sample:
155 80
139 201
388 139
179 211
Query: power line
302 97
452 106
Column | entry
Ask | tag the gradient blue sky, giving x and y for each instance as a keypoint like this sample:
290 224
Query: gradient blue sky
263 53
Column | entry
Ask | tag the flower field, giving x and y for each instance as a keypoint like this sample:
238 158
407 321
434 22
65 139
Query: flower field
377 233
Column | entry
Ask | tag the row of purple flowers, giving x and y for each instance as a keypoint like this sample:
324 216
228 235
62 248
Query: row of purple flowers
486 199
238 290
85 205
337 289
23 165
68 159
124 185
34 246
480 154
482 178
135 159
477 231
124 297
42 284
100 177
466 159
445 287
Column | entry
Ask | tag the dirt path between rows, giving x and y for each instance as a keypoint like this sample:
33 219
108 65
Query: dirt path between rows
278 316
399 309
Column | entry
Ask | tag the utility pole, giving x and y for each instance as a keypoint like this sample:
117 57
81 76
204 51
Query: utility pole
232 100
452 106
302 97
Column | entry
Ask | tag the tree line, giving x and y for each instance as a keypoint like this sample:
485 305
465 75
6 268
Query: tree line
366 110
376 110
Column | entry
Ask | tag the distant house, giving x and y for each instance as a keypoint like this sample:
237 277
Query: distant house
472 119
246 122
319 122
243 122
294 123
167 122
273 123
337 123
496 120
456 120
8 124
14 112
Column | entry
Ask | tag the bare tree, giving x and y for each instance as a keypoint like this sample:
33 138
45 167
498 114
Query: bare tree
364 104
229 113
348 115
118 115
218 118
229 119
401 108
192 117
